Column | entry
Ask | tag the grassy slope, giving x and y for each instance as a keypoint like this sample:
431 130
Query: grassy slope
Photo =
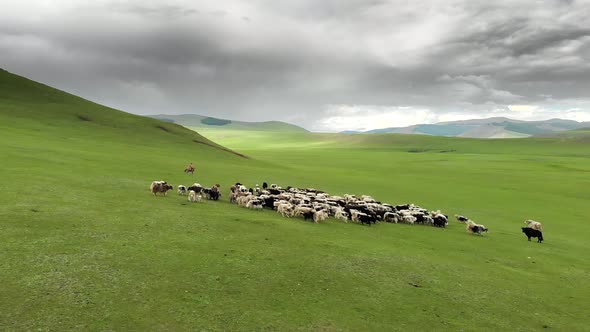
194 121
497 182
582 134
84 246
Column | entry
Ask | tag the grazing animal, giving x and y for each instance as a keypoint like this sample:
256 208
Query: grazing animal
534 225
192 196
531 232
475 228
408 219
212 193
232 197
440 220
242 200
461 218
366 219
309 215
285 209
391 217
160 187
320 215
300 210
254 203
196 187
264 185
341 214
156 183
181 190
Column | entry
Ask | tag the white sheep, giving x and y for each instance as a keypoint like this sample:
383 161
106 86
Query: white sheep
244 199
534 225
192 196
408 218
285 209
341 214
368 199
320 215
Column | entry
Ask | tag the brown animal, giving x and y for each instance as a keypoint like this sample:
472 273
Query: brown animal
160 187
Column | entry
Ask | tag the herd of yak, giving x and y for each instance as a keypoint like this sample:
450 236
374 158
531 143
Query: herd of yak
316 205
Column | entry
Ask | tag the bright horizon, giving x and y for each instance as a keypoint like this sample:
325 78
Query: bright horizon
438 119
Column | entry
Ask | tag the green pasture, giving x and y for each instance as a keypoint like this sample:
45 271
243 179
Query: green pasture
85 246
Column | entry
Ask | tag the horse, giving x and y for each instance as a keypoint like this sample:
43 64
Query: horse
190 170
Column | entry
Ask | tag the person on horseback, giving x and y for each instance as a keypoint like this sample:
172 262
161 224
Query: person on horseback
190 168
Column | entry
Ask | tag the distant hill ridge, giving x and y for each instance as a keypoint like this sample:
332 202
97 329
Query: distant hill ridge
496 127
203 121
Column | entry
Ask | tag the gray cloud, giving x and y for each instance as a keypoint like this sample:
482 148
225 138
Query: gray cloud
302 61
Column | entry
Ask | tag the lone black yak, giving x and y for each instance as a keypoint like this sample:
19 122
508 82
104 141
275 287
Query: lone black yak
529 232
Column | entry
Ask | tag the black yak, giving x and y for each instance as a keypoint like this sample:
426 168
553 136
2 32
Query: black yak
530 232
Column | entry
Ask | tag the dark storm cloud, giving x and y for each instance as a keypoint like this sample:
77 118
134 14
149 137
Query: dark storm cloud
309 62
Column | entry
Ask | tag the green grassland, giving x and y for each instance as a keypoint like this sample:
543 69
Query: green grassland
85 246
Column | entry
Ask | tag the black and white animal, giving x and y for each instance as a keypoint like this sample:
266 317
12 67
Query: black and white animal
196 187
461 218
181 190
264 185
212 193
475 228
531 232
194 196
439 220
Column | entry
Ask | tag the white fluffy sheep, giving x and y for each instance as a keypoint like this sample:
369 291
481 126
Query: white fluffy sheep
534 225
285 209
192 196
341 214
320 215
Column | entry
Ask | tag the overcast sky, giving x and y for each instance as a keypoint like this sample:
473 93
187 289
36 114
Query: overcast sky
326 65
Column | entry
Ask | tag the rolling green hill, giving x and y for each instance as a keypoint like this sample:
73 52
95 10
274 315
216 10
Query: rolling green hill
29 105
485 128
582 134
200 121
85 246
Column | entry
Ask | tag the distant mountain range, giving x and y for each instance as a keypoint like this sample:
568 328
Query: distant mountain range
484 128
203 121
